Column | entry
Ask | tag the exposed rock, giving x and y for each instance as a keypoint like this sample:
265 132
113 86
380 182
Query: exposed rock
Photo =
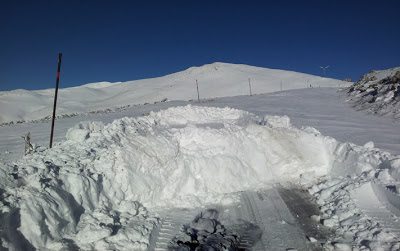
397 75
377 92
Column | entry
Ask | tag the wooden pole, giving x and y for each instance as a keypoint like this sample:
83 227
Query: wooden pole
55 100
198 95
250 87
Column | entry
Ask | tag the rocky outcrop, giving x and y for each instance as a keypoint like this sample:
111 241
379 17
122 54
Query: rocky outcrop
377 92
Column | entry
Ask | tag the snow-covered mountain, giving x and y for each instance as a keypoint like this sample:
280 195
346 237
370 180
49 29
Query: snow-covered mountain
291 169
214 80
229 173
378 92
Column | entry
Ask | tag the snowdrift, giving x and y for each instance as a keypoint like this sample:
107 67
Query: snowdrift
94 189
378 92
215 80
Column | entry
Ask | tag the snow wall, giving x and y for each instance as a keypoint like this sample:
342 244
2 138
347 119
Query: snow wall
180 157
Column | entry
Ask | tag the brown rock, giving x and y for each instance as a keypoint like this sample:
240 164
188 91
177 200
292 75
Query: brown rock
397 75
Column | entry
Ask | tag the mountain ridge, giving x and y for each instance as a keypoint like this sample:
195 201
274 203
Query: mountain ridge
215 80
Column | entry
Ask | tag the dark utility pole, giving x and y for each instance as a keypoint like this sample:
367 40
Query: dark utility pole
198 95
55 100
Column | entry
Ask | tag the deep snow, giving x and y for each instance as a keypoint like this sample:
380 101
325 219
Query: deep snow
97 190
211 174
322 108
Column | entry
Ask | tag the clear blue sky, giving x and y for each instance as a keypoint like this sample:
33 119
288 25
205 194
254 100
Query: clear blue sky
128 40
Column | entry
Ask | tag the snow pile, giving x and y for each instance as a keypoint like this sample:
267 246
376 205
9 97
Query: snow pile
363 226
378 92
215 80
92 190
364 206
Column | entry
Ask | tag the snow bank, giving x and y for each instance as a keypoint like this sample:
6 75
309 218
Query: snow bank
361 199
92 190
378 92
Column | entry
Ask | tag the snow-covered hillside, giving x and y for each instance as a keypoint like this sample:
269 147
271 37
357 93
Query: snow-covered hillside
215 80
290 170
378 92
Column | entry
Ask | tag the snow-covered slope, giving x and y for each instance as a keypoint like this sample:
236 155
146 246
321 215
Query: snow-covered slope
102 188
215 80
378 92
96 191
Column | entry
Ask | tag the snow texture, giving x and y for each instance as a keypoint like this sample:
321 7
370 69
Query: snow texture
98 189
104 186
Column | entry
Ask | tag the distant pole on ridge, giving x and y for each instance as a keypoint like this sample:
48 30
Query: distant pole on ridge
250 88
55 100
198 95
323 69
281 85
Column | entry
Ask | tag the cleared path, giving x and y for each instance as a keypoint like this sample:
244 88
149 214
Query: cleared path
260 221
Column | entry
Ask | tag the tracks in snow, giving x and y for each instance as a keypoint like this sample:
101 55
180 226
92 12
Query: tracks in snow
261 220
170 225
279 228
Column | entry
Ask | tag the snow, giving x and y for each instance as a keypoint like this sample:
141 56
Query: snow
215 80
180 157
109 179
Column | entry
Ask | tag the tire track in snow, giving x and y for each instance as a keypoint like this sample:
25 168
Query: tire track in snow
302 208
270 223
255 218
170 225
268 211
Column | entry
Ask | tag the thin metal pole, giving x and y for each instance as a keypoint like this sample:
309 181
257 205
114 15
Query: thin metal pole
323 69
55 100
250 88
198 95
